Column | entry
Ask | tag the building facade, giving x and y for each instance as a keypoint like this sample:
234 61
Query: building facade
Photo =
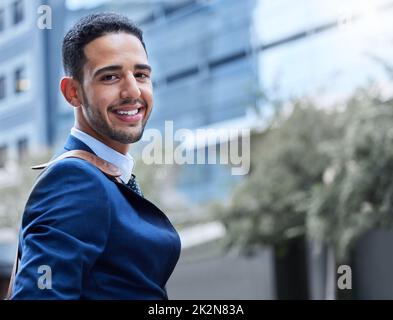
28 76
205 76
323 49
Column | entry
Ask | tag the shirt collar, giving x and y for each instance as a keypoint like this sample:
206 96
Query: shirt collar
124 162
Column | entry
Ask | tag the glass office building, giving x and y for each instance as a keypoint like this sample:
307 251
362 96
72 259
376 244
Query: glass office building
29 56
323 49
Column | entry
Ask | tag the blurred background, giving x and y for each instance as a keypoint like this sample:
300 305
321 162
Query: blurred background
310 79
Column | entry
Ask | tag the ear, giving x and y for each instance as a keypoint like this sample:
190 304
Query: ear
69 88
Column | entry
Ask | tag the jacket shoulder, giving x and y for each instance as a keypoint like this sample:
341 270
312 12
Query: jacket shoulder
70 185
71 178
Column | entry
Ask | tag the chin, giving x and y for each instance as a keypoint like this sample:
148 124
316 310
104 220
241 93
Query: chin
127 137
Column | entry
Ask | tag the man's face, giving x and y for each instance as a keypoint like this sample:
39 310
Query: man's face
116 89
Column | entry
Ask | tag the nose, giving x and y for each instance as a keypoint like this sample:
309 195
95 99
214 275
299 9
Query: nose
130 88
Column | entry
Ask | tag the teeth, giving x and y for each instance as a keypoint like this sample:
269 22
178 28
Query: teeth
128 113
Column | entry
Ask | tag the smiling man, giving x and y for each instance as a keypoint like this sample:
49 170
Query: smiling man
87 231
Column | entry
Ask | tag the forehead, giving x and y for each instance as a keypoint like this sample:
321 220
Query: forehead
114 48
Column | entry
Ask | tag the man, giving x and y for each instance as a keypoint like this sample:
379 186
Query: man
87 233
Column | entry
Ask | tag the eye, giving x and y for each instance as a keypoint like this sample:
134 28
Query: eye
109 77
141 75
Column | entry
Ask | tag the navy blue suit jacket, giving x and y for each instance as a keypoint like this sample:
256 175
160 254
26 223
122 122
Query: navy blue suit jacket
99 238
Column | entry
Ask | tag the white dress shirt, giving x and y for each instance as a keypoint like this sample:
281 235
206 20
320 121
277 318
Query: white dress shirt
124 162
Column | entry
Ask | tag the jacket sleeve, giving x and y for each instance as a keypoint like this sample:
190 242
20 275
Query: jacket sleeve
65 227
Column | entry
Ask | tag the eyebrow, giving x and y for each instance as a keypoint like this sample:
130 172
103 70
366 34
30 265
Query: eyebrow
142 66
138 66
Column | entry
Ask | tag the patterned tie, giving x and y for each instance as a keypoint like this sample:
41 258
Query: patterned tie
133 184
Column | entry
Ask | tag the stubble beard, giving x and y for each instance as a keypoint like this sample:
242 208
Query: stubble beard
96 120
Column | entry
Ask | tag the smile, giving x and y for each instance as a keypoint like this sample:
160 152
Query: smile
129 116
129 113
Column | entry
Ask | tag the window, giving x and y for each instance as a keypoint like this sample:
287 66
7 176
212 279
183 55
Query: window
3 156
2 21
21 82
22 146
182 74
2 87
17 11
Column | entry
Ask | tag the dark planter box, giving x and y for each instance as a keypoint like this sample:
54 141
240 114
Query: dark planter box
290 261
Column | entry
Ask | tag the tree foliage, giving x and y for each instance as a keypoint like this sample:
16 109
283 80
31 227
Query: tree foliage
358 192
320 172
15 188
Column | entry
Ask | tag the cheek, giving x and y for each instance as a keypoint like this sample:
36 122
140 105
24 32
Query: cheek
148 96
102 98
104 104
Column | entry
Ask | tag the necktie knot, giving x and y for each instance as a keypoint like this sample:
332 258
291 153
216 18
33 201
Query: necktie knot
133 184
